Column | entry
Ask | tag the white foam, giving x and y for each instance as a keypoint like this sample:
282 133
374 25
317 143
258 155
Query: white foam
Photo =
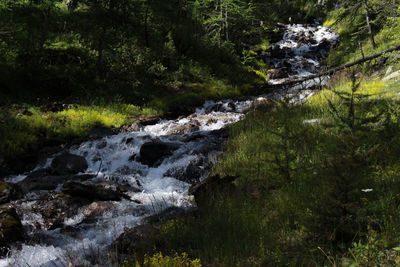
113 158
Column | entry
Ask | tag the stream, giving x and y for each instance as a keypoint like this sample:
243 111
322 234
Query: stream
118 180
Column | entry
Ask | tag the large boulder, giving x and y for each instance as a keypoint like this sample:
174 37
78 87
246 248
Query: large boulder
178 129
147 119
9 192
210 186
152 153
92 192
41 179
67 163
55 208
166 215
10 228
138 241
277 74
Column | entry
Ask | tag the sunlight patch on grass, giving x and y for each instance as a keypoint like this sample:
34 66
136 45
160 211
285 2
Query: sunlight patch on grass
18 130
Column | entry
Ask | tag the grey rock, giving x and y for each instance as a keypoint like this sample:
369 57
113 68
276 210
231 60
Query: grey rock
210 186
138 241
92 192
152 153
9 192
55 208
68 163
41 180
11 229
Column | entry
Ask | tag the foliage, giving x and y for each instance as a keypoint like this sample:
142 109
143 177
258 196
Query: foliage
318 186
19 130
348 19
158 259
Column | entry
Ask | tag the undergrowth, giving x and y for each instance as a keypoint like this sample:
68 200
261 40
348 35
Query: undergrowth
24 124
318 186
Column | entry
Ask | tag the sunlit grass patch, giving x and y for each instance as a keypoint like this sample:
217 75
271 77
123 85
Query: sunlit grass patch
18 130
159 259
375 89
328 23
296 177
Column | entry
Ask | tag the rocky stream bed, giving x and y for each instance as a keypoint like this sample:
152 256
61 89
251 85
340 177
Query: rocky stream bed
80 200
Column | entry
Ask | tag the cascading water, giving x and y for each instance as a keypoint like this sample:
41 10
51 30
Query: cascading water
298 55
187 146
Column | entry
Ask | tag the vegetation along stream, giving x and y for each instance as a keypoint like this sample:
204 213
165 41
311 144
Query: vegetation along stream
196 133
80 200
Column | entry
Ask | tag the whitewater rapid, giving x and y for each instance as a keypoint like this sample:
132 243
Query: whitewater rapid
150 189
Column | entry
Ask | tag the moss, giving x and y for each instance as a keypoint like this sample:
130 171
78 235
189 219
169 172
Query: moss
3 186
9 228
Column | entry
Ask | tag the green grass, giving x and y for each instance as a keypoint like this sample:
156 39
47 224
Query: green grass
19 130
299 198
386 35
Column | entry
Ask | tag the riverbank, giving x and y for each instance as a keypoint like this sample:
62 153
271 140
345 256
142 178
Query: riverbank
316 186
317 183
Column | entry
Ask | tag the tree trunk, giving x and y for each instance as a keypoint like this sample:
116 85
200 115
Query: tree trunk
220 24
226 22
146 33
371 36
100 49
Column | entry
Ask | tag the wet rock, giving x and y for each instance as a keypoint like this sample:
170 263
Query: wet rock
55 208
9 192
221 133
21 164
68 163
99 132
134 127
166 215
82 177
194 137
129 140
92 192
101 145
41 180
190 174
180 129
204 190
276 52
138 241
325 45
152 153
10 228
127 188
145 119
277 74
96 209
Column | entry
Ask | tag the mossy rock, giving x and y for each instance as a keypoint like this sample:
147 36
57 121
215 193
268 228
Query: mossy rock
10 228
3 185
9 192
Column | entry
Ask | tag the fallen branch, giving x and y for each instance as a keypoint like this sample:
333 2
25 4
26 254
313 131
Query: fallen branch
333 70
